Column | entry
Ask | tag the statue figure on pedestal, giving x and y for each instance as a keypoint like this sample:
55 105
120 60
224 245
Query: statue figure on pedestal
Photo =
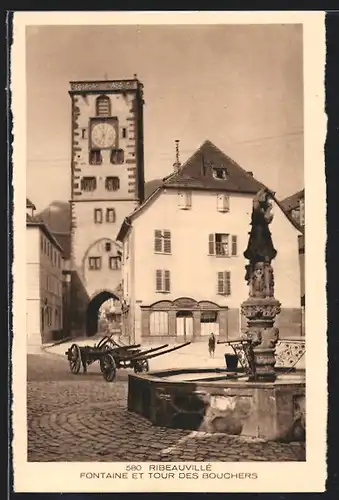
260 246
261 307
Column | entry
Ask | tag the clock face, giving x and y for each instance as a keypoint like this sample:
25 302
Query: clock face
103 135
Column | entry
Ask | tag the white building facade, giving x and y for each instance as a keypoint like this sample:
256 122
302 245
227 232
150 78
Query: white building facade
44 279
183 264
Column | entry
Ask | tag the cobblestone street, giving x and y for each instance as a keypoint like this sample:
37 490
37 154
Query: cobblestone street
83 418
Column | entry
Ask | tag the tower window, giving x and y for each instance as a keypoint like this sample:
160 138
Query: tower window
103 106
114 263
95 157
94 263
117 156
112 183
124 133
110 215
88 183
84 133
98 215
108 246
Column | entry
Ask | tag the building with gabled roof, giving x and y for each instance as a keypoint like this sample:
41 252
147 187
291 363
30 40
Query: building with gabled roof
44 281
183 266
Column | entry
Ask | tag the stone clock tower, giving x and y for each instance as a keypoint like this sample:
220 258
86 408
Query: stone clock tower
107 184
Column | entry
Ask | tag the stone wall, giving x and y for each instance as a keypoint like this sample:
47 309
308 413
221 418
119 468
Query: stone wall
268 411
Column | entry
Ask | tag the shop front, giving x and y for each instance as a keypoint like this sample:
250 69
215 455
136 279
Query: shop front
184 319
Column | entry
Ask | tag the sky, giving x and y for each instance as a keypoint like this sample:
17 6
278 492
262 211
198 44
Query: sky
240 86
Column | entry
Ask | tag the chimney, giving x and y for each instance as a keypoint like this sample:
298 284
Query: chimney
250 173
177 163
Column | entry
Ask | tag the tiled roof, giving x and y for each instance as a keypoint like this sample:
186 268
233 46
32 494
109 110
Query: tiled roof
29 204
292 202
64 240
197 173
37 222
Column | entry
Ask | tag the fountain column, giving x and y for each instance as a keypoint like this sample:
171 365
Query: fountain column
261 307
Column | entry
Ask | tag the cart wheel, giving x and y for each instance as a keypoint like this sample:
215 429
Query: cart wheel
74 358
141 366
108 367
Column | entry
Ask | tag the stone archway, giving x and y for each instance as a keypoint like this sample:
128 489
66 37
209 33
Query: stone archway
92 312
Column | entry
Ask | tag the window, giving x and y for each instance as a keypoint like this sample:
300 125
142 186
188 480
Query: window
103 106
185 200
110 215
41 241
209 322
219 173
95 157
112 183
158 323
163 282
223 203
108 246
59 260
84 133
162 241
117 156
224 283
218 244
124 133
98 215
114 263
94 263
234 245
56 317
88 183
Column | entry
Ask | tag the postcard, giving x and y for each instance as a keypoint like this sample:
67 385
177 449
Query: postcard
170 163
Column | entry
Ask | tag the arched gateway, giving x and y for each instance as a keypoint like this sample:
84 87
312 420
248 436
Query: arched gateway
92 312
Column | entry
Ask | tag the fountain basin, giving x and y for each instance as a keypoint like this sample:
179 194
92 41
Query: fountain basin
222 401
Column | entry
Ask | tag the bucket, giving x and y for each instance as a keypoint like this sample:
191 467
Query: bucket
231 361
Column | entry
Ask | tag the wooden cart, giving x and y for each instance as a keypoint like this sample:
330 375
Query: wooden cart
113 356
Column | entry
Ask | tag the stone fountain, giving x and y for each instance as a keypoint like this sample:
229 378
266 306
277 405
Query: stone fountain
257 399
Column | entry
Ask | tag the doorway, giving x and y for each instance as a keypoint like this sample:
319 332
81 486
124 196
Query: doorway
184 324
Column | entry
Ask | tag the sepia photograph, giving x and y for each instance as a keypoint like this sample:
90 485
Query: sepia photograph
164 250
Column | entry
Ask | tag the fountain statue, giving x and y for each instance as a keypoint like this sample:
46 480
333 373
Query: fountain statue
261 307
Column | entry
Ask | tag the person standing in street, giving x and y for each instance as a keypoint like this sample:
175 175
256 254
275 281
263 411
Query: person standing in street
211 345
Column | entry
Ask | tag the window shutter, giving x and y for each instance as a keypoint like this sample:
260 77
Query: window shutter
234 245
188 199
227 282
181 199
158 280
220 282
211 250
167 281
226 203
167 242
157 241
